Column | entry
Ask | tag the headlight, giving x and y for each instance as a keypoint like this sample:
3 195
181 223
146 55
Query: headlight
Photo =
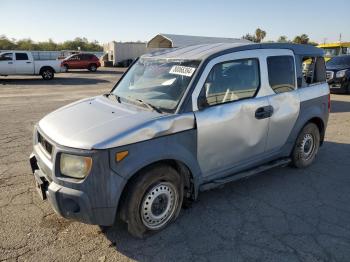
341 73
75 166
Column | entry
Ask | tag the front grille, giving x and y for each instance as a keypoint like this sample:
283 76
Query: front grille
45 144
329 75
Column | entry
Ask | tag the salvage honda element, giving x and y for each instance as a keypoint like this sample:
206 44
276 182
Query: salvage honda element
178 122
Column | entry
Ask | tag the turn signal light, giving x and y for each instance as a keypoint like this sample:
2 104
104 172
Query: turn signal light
121 155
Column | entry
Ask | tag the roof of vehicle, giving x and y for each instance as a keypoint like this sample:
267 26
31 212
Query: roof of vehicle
203 51
172 41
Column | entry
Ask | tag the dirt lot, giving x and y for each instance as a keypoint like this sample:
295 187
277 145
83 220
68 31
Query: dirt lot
282 215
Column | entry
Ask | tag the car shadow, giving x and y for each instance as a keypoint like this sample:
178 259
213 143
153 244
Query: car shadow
59 80
98 72
340 106
265 215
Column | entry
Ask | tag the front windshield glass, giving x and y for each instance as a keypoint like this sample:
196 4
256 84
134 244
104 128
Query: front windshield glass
339 61
160 83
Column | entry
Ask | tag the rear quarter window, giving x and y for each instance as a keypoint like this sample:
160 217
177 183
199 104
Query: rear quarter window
21 56
281 72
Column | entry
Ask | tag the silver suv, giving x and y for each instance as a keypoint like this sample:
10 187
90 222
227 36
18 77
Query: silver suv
178 122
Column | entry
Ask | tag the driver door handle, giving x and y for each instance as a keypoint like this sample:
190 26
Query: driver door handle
264 112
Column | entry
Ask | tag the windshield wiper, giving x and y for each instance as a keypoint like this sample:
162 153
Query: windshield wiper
115 96
150 106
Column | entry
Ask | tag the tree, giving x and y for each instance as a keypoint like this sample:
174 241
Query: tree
301 39
5 43
249 37
282 39
259 35
50 45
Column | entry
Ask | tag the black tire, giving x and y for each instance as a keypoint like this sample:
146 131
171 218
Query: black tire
47 74
144 186
92 68
306 146
66 68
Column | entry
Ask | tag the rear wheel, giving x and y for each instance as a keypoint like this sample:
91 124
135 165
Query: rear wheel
92 67
153 200
306 146
47 74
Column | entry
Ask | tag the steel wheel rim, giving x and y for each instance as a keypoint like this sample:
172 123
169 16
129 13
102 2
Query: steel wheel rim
158 205
47 74
307 146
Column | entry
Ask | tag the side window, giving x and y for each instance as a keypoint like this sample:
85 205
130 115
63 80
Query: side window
21 56
6 57
231 81
74 58
314 70
84 57
281 72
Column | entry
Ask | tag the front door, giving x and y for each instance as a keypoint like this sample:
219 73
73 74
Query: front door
74 62
233 120
6 64
23 65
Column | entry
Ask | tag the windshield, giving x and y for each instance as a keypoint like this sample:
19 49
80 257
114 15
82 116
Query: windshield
159 83
339 61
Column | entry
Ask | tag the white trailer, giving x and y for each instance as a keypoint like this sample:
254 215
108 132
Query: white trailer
123 53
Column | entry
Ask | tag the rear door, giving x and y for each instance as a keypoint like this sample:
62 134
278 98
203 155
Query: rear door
285 99
233 124
23 65
6 64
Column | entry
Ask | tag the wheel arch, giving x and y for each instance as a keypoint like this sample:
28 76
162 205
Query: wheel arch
190 185
46 67
321 126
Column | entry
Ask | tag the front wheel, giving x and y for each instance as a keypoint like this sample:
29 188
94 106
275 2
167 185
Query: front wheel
47 74
306 146
154 200
92 68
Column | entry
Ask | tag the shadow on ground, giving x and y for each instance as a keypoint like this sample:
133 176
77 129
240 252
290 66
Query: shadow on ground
340 106
59 80
98 72
285 214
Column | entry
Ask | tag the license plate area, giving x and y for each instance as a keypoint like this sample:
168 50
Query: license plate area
41 184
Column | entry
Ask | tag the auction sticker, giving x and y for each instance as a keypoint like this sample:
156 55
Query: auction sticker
182 70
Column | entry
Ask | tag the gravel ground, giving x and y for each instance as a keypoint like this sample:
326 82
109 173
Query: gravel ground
282 215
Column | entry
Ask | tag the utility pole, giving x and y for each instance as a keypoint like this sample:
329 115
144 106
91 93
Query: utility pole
340 38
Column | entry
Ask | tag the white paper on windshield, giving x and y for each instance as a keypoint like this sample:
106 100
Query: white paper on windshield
182 70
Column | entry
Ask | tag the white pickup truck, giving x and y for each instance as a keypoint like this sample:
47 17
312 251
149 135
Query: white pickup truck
23 63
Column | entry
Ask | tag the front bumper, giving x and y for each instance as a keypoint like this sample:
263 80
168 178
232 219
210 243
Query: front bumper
339 85
93 200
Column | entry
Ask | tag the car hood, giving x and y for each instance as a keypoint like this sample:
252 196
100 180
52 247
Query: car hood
337 67
99 123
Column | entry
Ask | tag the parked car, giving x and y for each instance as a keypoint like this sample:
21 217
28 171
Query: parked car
338 74
22 63
179 122
81 61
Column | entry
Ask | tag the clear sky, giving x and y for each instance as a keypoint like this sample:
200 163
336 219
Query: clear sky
132 20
